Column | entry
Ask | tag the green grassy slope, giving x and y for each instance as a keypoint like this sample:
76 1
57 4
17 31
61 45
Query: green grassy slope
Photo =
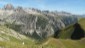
67 32
64 43
82 23
12 39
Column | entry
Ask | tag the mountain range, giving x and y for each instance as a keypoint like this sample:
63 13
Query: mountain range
33 26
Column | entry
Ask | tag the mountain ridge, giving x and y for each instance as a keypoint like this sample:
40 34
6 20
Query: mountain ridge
32 28
32 20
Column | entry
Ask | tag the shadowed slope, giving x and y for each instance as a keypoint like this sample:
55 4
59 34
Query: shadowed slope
78 32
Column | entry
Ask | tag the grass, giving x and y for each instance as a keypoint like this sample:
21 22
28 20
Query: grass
50 43
64 43
82 23
66 32
13 42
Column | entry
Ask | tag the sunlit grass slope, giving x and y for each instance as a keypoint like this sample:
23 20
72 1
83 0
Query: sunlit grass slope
82 23
64 43
12 39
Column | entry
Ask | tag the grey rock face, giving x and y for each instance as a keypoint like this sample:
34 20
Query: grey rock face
40 25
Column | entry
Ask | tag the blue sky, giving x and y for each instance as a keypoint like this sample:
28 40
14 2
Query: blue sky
72 6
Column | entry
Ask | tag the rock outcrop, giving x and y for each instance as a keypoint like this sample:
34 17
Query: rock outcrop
9 7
